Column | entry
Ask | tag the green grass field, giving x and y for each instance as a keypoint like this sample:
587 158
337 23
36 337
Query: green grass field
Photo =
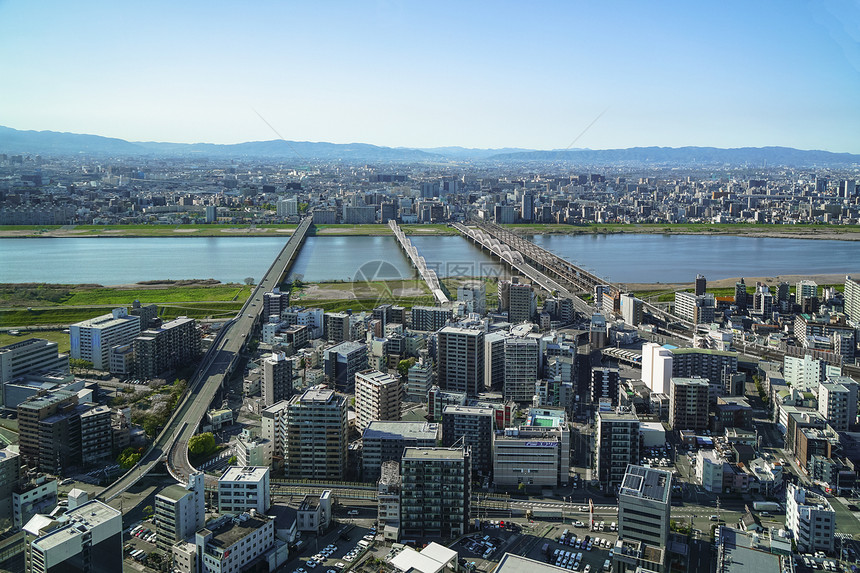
39 295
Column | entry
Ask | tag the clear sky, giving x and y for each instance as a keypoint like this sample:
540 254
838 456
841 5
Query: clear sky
434 73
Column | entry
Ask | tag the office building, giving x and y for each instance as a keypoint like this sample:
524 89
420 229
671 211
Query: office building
377 397
656 367
173 345
277 383
87 538
180 510
315 435
536 453
475 426
810 519
342 361
522 364
837 402
242 489
436 494
92 339
716 365
616 446
644 501
460 364
852 299
429 318
385 441
232 544
701 285
388 490
34 355
688 404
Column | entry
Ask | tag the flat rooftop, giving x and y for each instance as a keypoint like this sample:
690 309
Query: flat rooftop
433 454
401 430
231 532
173 492
79 521
317 394
247 474
646 483
511 563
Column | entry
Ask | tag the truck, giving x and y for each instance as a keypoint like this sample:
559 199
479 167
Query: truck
766 506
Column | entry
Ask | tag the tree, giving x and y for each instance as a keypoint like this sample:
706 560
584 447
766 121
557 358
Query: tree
148 511
249 281
80 364
201 444
128 458
404 365
232 461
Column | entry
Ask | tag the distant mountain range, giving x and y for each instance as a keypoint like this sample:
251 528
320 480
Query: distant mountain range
13 141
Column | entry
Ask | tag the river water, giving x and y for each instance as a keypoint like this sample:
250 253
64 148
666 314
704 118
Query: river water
620 258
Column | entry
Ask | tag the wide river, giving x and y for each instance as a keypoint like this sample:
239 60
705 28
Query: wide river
619 258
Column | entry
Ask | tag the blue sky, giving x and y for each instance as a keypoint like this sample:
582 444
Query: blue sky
425 74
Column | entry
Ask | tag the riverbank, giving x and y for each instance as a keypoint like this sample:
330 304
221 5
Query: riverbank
818 232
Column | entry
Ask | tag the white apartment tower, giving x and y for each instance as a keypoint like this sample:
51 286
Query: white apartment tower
377 398
92 339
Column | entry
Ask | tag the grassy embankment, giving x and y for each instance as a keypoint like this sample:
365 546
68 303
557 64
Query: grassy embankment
42 304
669 295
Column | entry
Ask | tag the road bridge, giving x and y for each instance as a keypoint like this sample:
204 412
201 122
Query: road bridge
428 274
217 365
504 243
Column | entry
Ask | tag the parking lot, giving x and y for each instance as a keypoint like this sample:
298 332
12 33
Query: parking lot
343 546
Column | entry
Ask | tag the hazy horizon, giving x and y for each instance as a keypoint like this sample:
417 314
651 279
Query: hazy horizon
479 75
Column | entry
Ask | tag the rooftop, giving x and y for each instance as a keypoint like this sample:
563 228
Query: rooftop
320 394
173 492
646 483
511 563
401 430
247 474
78 521
232 530
433 453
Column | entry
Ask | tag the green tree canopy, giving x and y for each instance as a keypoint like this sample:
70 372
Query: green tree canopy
201 444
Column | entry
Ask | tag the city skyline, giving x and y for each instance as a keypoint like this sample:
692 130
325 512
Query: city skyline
423 76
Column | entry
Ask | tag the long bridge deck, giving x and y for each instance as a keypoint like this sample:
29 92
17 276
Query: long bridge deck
428 274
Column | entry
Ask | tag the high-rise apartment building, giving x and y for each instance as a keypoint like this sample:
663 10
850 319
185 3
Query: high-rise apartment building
805 289
460 364
174 344
604 385
336 327
852 299
616 446
494 360
31 412
696 309
378 396
475 426
522 363
474 295
522 305
92 339
429 318
388 490
688 404
701 285
420 379
180 510
10 476
436 492
315 435
277 382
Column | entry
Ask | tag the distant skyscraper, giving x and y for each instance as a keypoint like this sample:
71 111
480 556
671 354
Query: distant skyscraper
527 208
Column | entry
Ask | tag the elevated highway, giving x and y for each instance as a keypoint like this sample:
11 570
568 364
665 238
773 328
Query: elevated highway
428 274
217 365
